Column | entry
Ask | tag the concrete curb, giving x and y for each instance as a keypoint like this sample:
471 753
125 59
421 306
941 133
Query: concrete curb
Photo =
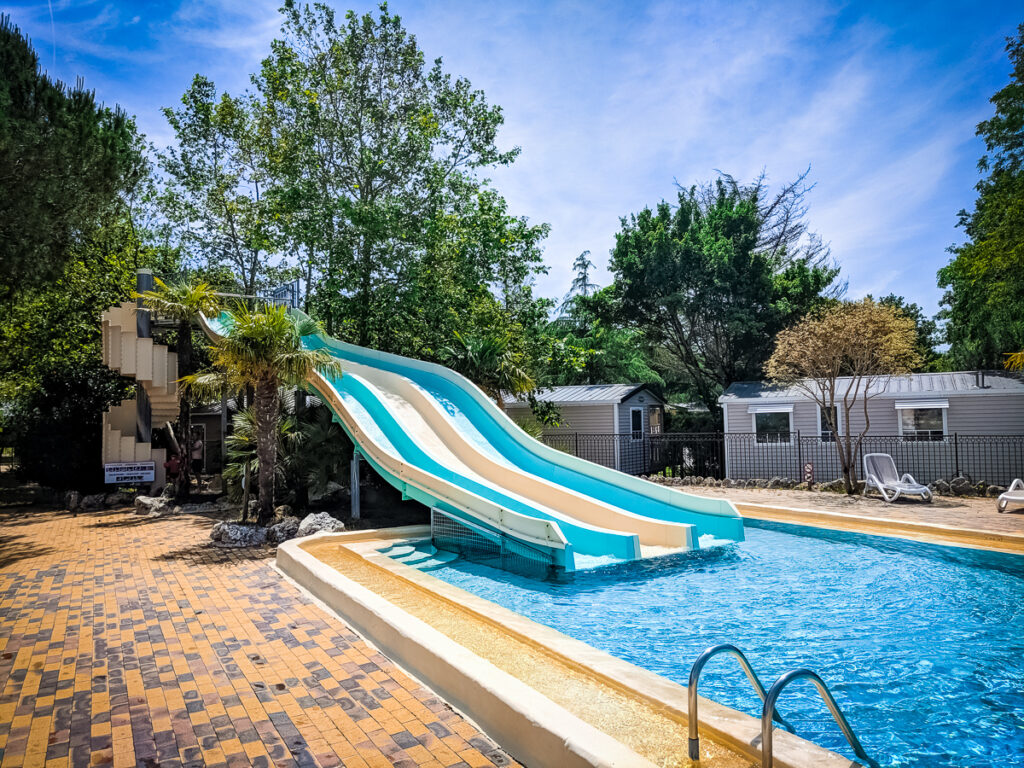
525 723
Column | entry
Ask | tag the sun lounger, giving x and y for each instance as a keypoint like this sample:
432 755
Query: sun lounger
1014 495
880 473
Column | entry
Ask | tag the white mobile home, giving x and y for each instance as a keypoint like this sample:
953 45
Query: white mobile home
936 425
609 424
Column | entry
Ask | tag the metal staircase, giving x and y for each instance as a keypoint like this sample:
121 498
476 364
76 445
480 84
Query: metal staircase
155 368
769 715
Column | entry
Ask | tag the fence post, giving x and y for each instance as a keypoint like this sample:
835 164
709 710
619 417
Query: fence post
956 455
799 456
576 450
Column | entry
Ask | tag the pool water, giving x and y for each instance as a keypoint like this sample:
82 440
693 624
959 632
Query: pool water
922 645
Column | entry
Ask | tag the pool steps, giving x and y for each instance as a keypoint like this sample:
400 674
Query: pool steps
422 556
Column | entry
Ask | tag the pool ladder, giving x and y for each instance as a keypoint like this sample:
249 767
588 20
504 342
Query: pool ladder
769 713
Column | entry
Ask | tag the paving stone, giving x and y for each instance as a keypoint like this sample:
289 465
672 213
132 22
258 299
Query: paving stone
132 641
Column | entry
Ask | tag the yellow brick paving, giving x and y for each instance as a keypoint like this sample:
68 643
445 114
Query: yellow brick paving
126 641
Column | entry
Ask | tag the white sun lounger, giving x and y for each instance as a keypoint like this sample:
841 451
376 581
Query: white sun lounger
880 473
1014 495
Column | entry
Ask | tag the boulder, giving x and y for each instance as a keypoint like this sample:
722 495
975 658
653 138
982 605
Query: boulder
118 499
961 486
93 501
286 528
73 501
942 488
225 534
153 506
994 491
283 511
332 492
319 522
775 482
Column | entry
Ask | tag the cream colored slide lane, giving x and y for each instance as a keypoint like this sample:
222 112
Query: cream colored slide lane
426 422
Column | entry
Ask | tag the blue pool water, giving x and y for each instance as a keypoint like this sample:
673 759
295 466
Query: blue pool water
923 646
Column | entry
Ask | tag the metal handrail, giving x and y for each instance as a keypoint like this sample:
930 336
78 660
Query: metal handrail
695 671
768 711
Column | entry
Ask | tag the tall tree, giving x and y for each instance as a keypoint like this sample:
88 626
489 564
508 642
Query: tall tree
216 176
928 336
841 357
182 302
262 349
53 383
582 267
63 162
984 300
377 153
711 281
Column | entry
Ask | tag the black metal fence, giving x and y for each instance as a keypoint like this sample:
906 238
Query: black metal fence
994 459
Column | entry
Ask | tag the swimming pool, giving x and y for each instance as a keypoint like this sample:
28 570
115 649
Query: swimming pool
922 645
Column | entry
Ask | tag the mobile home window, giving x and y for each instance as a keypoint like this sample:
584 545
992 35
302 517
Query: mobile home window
654 419
825 426
636 423
772 426
922 423
922 420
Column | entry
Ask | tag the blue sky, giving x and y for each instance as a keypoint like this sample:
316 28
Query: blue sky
613 102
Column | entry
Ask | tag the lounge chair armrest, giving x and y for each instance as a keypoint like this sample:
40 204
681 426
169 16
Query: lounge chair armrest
909 478
1016 485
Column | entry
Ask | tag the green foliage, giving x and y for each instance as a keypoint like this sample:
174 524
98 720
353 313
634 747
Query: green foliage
317 451
63 162
491 363
53 384
374 155
242 457
928 336
262 349
710 282
216 186
984 300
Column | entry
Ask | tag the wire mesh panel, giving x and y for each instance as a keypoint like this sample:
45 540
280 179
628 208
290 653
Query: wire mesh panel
493 548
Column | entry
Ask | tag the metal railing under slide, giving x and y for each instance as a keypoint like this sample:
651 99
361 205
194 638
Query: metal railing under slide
769 698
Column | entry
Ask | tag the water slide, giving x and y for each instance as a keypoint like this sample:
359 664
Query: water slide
435 436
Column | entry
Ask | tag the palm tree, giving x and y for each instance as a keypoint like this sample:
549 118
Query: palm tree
182 302
242 458
262 348
490 364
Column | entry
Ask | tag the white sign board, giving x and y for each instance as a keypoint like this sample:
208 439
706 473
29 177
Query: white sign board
128 472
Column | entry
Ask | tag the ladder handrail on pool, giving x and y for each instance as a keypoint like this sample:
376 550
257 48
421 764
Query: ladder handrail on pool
698 667
768 712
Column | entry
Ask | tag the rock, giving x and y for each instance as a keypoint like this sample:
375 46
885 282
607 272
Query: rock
994 491
93 501
153 506
118 499
318 522
332 492
286 529
73 501
168 491
775 482
961 486
225 534
942 488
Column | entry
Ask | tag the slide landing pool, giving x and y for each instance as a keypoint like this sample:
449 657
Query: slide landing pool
435 436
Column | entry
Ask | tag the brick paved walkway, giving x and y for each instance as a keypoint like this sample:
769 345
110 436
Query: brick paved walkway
131 642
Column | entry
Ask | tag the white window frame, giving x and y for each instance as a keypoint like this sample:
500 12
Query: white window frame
821 423
921 405
633 432
786 408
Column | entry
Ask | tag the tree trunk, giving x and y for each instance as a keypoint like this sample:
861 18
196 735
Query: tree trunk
266 446
184 410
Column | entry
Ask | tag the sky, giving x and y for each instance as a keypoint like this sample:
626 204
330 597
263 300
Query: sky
614 103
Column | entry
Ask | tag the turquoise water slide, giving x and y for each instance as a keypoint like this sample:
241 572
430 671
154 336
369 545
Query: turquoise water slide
434 435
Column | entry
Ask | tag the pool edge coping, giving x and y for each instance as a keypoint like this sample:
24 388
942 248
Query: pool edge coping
936 533
730 728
